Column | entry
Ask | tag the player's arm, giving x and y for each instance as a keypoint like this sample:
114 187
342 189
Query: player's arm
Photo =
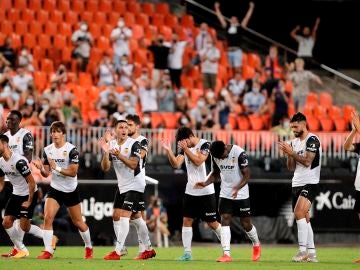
2 181
243 162
348 144
200 157
290 163
44 166
73 164
212 177
133 161
175 161
28 146
23 168
312 146
105 162
144 144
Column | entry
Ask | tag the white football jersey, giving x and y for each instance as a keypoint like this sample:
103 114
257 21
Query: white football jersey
16 169
128 179
307 175
63 157
144 144
198 173
231 175
357 178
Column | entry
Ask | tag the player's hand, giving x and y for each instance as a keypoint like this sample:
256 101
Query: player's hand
26 204
234 192
217 5
52 163
199 185
38 164
103 144
182 145
115 152
251 5
109 135
166 145
286 148
355 121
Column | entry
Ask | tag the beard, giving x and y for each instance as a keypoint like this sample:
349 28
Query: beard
298 134
131 133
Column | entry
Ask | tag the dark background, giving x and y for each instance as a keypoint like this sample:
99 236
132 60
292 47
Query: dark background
337 42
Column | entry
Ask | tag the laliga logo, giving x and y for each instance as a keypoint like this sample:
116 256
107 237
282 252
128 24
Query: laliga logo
98 210
337 201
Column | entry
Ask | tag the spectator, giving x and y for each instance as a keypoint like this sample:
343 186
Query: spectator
160 52
54 95
236 86
72 114
182 100
175 60
143 78
129 99
9 95
22 80
184 120
146 120
301 80
49 115
123 111
306 42
195 113
234 33
30 115
25 59
200 42
82 41
283 128
272 63
3 63
61 77
281 103
102 120
8 52
209 57
126 72
225 106
111 104
254 100
156 217
166 98
148 98
120 38
106 72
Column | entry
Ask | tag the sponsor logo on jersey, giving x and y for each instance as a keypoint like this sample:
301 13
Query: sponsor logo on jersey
10 173
59 160
227 167
334 201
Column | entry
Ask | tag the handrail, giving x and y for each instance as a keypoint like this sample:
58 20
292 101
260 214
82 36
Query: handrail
325 67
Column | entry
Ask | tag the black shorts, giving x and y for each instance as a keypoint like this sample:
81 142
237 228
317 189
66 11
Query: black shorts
357 202
203 207
308 191
5 194
14 208
238 208
68 198
130 201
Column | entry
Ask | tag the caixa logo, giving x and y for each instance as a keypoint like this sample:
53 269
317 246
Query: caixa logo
97 210
336 201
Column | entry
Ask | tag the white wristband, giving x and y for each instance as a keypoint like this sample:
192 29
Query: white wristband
58 169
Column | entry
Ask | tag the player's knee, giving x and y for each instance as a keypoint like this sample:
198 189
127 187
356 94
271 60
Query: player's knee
299 213
187 222
80 224
7 223
225 220
246 224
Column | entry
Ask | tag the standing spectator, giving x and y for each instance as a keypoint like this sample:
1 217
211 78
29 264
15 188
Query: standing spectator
175 59
82 41
111 104
143 78
3 63
160 52
201 41
61 78
301 80
166 98
120 38
102 120
129 99
209 57
106 72
182 100
306 41
22 80
254 100
234 33
126 72
25 59
10 95
72 114
146 120
8 52
103 96
54 95
281 103
184 121
236 86
148 98
272 63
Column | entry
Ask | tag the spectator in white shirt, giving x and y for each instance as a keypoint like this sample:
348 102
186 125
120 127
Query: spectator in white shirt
175 60
22 79
82 41
200 42
148 98
25 59
106 72
130 96
254 100
103 96
236 86
54 95
120 38
209 57
126 72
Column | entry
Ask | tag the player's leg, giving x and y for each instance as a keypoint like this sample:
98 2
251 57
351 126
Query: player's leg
50 209
8 224
357 209
226 213
77 220
311 251
300 211
209 214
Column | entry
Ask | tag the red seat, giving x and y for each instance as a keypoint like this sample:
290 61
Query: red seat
87 17
133 7
40 80
311 100
256 122
103 44
187 21
137 31
166 32
65 29
313 124
71 17
340 124
129 18
47 65
105 6
347 111
254 60
232 121
28 15
148 8
171 20
64 5
20 4
5 4
162 8
157 20
56 16
66 54
60 41
113 18
49 5
44 41
42 16
16 41
325 99
335 112
13 15
7 28
156 119
34 5
319 111
85 79
77 6
30 41
326 124
95 30
38 52
142 19
92 6
243 123
100 18
51 29
171 119
21 28
107 29
119 6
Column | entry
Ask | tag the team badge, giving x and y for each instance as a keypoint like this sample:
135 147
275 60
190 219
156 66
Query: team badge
233 160
65 153
126 151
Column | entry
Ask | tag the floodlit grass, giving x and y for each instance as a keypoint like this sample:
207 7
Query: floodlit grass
204 257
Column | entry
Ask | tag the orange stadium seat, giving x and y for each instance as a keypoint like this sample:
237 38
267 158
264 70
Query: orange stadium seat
103 43
36 28
49 5
335 112
340 124
7 28
140 56
137 31
119 6
37 52
60 41
5 4
40 80
64 6
256 122
71 17
65 29
325 99
21 28
13 15
311 100
2 39
42 16
171 119
16 41
66 54
56 16
106 30
34 5
27 15
129 18
319 111
100 18
232 121
157 20
47 65
156 119
93 115
77 6
51 28
87 17
313 123
92 5
105 6
113 18
2 15
248 72
85 79
187 21
142 19
148 8
162 8
30 41
133 7
150 32
171 20
95 30
243 123
347 111
326 124
254 60
44 41
166 32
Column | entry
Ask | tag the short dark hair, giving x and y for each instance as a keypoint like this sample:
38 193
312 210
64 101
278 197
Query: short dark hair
217 149
4 138
17 113
298 117
134 117
120 121
58 126
183 133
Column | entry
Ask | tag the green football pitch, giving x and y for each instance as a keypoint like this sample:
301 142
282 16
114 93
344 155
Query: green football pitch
204 256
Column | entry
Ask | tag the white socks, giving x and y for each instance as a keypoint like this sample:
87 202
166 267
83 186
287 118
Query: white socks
36 231
86 238
252 234
187 234
13 234
217 231
143 234
122 234
47 237
302 234
225 239
310 240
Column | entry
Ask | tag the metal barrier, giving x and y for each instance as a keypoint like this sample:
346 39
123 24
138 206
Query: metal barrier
258 144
